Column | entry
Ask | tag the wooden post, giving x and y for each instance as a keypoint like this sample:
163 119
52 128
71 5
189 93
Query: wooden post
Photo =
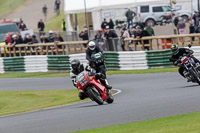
150 42
142 44
30 50
14 51
157 43
25 51
5 51
126 45
20 54
63 49
9 51
47 50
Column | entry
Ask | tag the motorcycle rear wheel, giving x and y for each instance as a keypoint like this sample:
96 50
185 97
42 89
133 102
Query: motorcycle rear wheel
110 99
95 95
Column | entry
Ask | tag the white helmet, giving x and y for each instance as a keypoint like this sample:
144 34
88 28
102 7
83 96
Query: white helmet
92 45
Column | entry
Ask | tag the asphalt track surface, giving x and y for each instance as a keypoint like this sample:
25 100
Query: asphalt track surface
143 97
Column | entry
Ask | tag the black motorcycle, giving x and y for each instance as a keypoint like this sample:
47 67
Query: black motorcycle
191 69
98 63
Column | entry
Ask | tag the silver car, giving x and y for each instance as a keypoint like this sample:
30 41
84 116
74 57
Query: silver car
152 13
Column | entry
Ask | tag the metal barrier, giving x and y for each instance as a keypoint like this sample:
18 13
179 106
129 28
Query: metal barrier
162 42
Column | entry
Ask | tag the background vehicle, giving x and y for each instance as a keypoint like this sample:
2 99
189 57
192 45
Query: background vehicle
152 13
93 88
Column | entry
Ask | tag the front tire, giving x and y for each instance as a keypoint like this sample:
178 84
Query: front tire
95 95
195 76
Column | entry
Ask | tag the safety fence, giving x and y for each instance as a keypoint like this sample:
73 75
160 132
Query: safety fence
114 61
162 42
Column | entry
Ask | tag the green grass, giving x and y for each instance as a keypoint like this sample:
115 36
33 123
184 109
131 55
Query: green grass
158 70
187 123
50 74
32 75
12 102
55 23
7 6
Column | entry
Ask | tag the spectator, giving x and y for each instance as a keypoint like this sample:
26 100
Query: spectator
84 36
63 25
57 6
142 33
51 36
196 22
34 39
111 24
44 11
41 26
176 20
22 26
44 39
14 42
191 27
99 39
129 15
104 24
150 30
181 27
109 35
133 32
124 34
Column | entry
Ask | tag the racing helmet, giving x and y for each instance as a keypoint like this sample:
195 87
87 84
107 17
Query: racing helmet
175 49
75 64
92 45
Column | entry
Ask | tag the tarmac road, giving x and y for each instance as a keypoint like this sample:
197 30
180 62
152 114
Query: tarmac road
143 97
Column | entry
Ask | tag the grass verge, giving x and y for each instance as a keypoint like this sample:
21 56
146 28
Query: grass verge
158 70
187 123
12 102
50 74
7 6
55 22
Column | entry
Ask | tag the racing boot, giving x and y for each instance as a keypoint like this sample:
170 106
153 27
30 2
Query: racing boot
105 83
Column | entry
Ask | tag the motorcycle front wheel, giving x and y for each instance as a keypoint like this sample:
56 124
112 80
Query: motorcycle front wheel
195 76
95 95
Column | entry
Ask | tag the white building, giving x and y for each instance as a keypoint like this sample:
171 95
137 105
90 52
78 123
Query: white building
115 9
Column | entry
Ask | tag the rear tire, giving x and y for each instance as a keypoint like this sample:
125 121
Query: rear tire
110 99
95 95
151 21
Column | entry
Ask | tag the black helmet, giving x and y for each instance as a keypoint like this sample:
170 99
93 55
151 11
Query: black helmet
175 49
75 64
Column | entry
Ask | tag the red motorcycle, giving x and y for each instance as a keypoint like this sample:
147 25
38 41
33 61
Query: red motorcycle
93 88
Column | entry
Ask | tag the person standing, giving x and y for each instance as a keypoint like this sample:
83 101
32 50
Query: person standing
44 11
22 26
111 24
41 26
196 22
181 28
63 25
150 30
57 6
104 24
84 36
129 15
191 27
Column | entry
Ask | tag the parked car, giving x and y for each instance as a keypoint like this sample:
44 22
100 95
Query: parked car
152 13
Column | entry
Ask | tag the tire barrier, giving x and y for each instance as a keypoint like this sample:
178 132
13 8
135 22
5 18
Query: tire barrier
132 60
1 66
58 63
36 63
14 64
114 61
159 58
